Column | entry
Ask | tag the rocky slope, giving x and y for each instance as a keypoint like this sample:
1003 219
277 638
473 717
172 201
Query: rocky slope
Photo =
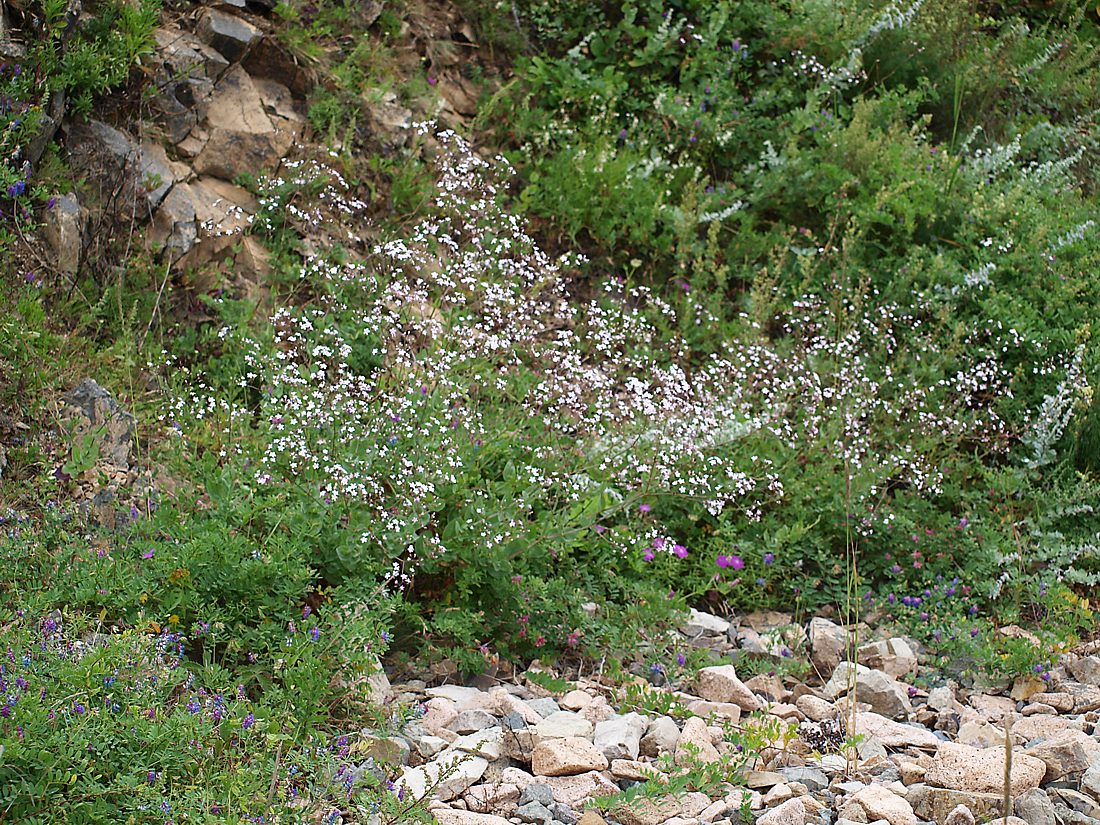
490 754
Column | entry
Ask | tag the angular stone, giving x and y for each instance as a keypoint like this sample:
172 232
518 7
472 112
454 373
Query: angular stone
895 734
453 816
1061 702
574 790
64 232
1066 752
1090 781
699 624
1086 670
883 693
229 35
880 803
563 724
566 756
632 769
828 644
814 779
931 803
1029 728
496 798
791 812
895 657
815 708
646 811
726 710
620 737
451 774
469 721
97 412
175 228
661 737
959 815
720 684
1035 807
243 138
487 743
267 58
534 812
963 768
575 700
695 744
184 55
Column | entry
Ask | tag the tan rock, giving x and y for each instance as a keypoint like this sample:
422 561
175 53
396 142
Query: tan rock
791 812
963 768
575 700
574 790
590 817
726 710
880 803
632 769
992 708
959 815
695 743
931 803
1066 752
892 734
452 816
778 794
567 756
911 773
1062 702
1027 728
645 811
815 708
720 684
493 798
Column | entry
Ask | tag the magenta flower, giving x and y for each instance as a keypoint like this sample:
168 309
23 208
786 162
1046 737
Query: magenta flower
644 508
649 555
680 551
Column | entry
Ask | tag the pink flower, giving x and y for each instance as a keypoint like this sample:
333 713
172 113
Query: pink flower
649 555
644 508
680 551
736 562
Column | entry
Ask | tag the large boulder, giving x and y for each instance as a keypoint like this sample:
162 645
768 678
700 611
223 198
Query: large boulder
963 768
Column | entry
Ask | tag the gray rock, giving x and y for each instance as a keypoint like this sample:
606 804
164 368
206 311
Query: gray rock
535 812
537 792
883 693
513 721
661 737
543 707
64 232
1090 781
97 409
1086 670
175 227
701 624
563 813
472 720
564 724
1035 808
1075 801
812 778
229 35
620 737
